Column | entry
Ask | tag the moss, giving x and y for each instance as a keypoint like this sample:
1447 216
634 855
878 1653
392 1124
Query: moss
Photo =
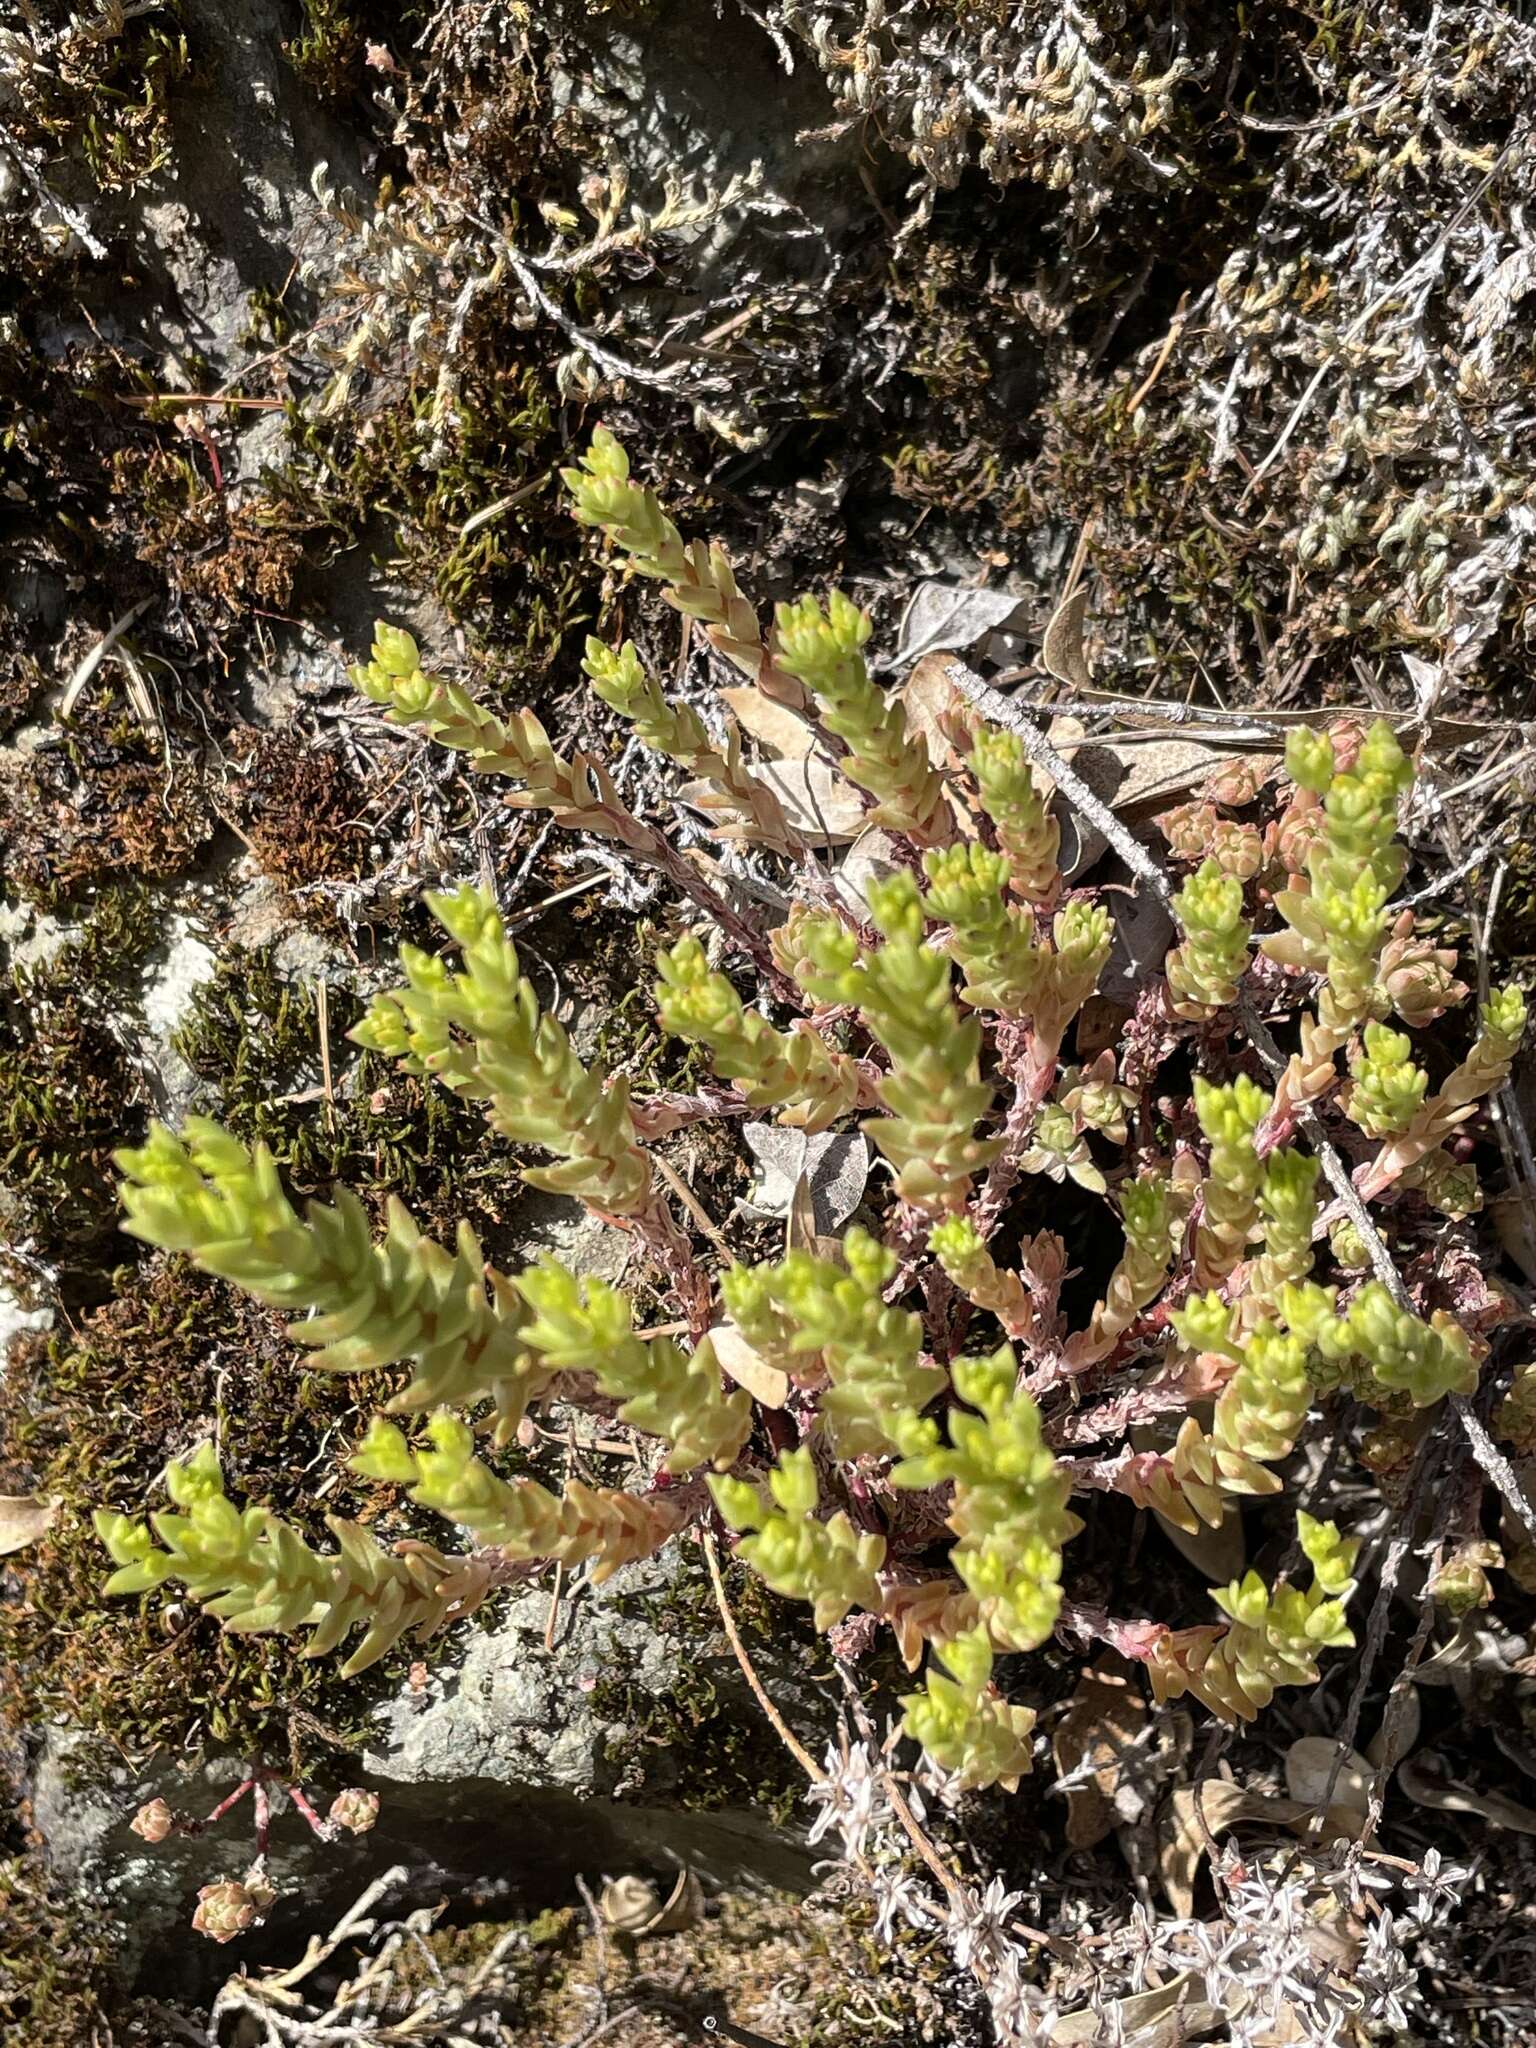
99 806
268 321
482 527
788 1969
252 1037
90 1417
106 91
300 811
68 1093
56 1966
224 559
1514 933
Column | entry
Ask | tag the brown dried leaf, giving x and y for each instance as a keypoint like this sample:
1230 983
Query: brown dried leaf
24 1520
628 1904
800 1223
1419 1780
872 856
1309 1765
1221 1554
835 1163
1161 771
772 725
1194 1813
817 801
1163 2018
1197 1814
1061 652
932 704
1106 1716
766 1383
684 1907
633 1905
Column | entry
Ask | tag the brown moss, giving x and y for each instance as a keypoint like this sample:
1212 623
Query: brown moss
222 558
67 1097
104 92
100 805
56 1966
299 807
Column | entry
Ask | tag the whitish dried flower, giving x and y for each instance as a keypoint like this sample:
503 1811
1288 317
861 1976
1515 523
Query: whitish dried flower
978 1924
851 1797
1435 1885
898 1896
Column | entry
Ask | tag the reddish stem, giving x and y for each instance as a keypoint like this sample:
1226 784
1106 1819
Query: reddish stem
323 1828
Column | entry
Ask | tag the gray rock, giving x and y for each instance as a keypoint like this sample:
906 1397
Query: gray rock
504 1778
699 98
235 207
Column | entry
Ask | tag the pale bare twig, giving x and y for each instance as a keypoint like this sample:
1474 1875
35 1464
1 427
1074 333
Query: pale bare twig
780 1726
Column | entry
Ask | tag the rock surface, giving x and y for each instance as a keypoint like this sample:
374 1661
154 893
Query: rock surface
507 1775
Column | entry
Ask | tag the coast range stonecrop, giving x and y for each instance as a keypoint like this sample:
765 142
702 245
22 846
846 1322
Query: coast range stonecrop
913 1469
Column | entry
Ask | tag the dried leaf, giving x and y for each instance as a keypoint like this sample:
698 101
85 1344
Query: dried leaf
872 856
1061 653
1161 771
1147 2019
629 1904
24 1520
817 800
1100 1024
1220 1554
835 1165
950 616
1513 1227
1105 1718
1400 1725
773 726
1427 678
1143 934
1419 1780
933 706
1479 1644
633 1905
1309 1765
1103 771
766 1383
1220 1805
683 1909
1195 1812
800 1224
